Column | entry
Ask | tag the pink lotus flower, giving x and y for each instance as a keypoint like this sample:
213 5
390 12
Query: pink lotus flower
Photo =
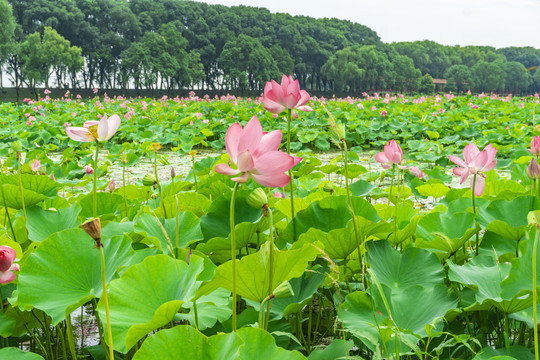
384 113
416 172
475 162
277 98
7 256
101 130
35 166
535 146
46 91
392 154
95 90
278 194
88 169
256 155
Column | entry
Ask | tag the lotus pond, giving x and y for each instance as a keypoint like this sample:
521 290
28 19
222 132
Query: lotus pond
345 261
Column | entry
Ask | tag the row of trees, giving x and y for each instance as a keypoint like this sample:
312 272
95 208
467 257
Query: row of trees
170 44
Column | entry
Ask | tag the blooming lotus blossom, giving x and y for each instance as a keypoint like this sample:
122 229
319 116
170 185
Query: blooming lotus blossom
384 113
535 146
391 155
277 98
7 256
416 172
256 155
475 162
101 130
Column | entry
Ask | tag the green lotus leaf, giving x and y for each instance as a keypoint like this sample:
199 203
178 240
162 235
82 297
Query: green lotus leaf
436 190
65 272
508 218
338 349
519 280
164 230
216 222
252 271
445 232
12 353
484 274
327 214
400 271
107 204
41 184
361 188
148 295
186 342
260 345
13 197
211 308
516 353
43 223
187 201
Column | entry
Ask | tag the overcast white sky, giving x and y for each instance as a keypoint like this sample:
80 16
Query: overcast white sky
498 23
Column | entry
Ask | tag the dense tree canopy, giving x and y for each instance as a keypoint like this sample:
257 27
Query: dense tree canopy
179 44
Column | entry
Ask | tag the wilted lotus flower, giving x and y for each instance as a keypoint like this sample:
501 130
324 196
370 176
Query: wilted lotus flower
101 130
256 155
277 98
7 256
475 162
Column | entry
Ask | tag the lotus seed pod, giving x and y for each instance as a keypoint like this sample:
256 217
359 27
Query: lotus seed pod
257 199
284 290
16 146
149 180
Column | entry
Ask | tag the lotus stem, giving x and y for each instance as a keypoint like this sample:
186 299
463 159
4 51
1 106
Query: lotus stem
233 255
22 192
7 212
270 265
124 186
474 210
535 294
106 302
391 183
291 185
194 174
351 207
94 190
159 186
71 342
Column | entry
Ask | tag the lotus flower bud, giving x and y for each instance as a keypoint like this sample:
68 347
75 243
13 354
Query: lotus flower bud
149 180
88 169
93 228
257 199
283 290
173 173
533 170
16 146
328 187
111 187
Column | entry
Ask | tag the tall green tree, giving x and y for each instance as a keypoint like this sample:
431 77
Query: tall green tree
7 34
342 70
488 76
517 79
458 78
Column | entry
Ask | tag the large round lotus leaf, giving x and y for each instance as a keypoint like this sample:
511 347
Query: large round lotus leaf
148 295
107 204
210 309
216 222
17 354
399 271
338 349
484 274
519 280
65 272
43 223
303 289
164 230
41 184
284 206
186 342
260 345
445 232
252 271
187 201
508 218
329 213
340 243
516 352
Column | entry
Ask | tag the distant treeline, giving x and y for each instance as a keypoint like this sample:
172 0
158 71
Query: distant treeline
176 44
